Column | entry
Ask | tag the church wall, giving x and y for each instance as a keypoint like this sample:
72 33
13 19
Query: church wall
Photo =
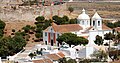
45 38
92 34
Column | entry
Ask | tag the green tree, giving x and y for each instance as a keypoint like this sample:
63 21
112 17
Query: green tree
38 30
111 25
4 46
1 33
71 61
31 55
19 42
117 38
70 9
72 39
73 21
55 17
27 28
38 35
65 19
117 24
100 54
58 20
47 23
40 19
11 46
2 25
99 40
109 36
62 60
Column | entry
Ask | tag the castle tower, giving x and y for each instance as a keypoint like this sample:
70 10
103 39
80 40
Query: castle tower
83 19
96 21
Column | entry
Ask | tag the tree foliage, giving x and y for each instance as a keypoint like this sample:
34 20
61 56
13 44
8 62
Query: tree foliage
72 39
116 38
10 46
41 24
27 28
71 61
109 36
73 21
64 60
63 20
2 26
100 55
31 55
40 19
113 25
37 35
99 40
71 9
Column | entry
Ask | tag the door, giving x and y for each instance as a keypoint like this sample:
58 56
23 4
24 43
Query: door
52 42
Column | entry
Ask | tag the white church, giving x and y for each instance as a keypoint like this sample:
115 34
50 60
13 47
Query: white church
86 27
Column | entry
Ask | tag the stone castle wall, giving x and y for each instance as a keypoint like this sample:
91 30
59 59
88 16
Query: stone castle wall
27 13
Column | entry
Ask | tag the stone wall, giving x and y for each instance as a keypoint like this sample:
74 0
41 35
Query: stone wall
27 13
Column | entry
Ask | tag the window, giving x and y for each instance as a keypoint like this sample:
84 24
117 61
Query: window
46 42
83 22
87 23
45 33
93 23
98 23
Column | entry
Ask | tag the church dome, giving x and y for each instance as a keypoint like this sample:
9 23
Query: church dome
83 15
96 16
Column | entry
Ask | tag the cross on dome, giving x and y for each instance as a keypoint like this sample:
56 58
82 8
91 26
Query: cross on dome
83 11
83 15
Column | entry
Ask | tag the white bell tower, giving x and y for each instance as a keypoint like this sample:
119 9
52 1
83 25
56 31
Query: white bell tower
96 22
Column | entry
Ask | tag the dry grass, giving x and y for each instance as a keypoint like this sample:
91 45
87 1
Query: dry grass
17 25
106 10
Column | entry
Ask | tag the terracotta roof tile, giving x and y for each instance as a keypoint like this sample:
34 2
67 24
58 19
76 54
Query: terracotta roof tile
53 56
67 28
61 54
47 61
38 61
42 61
104 27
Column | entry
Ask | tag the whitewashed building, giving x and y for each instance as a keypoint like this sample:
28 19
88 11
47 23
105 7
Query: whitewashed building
86 27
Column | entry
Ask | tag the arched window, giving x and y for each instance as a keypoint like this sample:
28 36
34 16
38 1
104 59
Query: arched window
93 23
45 33
82 22
98 23
87 22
